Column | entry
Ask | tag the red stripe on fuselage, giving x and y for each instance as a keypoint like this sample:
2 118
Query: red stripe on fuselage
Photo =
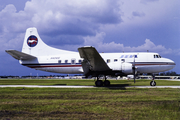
42 66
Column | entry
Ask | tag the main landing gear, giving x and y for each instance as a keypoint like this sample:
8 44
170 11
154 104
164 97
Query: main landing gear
153 83
100 83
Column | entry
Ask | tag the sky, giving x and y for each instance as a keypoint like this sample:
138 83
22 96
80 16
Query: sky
108 25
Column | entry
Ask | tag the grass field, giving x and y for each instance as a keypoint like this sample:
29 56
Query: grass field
87 103
86 82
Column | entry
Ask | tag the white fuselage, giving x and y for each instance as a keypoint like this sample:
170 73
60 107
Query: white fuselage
71 63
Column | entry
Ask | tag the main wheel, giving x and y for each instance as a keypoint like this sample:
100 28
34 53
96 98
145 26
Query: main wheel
106 83
153 83
99 83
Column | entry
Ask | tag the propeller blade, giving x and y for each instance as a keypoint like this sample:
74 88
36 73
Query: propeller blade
134 70
134 73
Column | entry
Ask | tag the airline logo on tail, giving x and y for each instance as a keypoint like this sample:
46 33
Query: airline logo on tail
32 41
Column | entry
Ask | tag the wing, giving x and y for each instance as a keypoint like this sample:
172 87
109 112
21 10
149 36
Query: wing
92 60
20 55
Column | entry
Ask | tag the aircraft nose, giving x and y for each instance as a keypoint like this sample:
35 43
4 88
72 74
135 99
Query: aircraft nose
171 63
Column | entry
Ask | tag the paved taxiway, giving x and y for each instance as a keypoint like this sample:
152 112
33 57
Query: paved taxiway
64 86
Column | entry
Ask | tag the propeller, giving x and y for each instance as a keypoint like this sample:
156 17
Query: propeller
134 69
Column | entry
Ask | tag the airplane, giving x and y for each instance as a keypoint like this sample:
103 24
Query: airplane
37 55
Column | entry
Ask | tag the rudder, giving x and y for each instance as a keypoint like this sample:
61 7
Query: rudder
32 42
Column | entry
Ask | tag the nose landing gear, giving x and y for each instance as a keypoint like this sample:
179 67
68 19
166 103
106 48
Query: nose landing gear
153 83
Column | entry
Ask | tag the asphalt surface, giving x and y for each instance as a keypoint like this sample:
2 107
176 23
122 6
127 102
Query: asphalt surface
64 86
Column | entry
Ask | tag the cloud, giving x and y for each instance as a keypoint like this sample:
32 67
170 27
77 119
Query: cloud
138 14
73 17
146 1
72 22
59 19
97 41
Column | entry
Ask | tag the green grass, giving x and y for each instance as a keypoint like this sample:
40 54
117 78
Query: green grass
88 82
88 103
100 103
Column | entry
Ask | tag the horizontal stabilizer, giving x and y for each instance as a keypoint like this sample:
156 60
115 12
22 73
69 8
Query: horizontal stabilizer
20 55
93 58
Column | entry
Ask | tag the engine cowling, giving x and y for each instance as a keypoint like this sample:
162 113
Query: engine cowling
127 68
124 67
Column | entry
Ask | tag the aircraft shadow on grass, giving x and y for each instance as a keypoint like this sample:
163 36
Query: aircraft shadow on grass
112 86
59 84
118 86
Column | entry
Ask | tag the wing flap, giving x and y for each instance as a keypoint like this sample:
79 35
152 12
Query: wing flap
93 58
20 55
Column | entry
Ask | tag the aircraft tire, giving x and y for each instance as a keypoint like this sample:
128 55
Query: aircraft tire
153 83
106 83
99 83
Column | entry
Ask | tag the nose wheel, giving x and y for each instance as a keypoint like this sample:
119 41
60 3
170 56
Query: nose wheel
153 83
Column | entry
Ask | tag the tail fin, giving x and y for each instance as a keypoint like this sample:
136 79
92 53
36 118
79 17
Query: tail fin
33 45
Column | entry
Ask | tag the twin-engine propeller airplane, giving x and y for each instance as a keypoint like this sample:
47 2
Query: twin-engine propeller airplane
36 54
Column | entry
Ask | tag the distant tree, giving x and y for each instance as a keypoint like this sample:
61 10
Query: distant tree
172 73
162 74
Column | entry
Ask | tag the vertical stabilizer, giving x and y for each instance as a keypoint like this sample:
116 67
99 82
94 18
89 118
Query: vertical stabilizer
33 45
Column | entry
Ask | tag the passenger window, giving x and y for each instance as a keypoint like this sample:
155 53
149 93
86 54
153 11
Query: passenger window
122 60
59 61
108 61
80 61
66 61
73 61
115 60
135 56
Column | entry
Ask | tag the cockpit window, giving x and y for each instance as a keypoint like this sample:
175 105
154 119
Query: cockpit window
157 56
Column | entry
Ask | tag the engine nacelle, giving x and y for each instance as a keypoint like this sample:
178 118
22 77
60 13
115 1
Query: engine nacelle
124 67
127 68
116 66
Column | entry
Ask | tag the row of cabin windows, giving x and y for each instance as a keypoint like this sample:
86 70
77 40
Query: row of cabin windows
115 60
73 61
